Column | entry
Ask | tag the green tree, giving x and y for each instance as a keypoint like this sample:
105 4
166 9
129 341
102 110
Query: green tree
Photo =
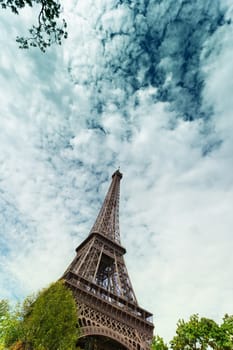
158 343
4 312
4 309
10 324
50 322
225 341
47 321
203 333
48 30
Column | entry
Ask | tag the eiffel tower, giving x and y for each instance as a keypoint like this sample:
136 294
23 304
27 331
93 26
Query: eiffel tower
108 312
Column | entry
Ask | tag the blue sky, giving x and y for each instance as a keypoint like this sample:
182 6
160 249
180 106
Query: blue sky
144 85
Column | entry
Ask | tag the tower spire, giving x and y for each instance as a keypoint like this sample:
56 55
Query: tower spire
107 222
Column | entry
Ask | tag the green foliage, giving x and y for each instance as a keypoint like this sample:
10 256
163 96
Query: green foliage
49 28
203 333
47 321
158 343
10 324
50 322
4 309
4 314
226 331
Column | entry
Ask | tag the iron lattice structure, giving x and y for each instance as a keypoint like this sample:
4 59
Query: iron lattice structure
109 315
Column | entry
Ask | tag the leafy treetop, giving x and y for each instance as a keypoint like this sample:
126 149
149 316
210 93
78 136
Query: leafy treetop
49 28
45 322
204 334
158 343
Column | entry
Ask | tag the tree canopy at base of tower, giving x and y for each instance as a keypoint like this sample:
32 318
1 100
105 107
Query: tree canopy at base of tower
203 333
158 343
199 334
45 322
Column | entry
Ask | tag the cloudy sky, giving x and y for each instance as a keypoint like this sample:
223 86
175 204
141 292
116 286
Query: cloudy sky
141 84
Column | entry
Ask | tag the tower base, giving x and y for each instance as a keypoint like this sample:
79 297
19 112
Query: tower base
99 343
